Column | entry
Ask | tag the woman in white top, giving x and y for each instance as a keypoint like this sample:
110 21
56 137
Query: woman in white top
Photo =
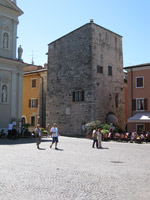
99 137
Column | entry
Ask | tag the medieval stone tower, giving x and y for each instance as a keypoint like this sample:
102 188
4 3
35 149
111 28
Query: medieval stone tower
85 79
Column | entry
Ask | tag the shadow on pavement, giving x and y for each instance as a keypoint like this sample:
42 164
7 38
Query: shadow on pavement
41 148
6 141
104 148
59 149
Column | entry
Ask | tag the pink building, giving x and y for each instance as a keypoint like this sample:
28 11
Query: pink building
138 109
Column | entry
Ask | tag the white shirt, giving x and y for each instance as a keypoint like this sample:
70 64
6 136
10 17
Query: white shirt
54 131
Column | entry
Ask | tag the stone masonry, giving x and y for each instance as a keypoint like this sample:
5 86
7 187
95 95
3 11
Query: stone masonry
72 72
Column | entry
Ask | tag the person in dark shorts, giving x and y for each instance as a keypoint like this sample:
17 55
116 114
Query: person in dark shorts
55 134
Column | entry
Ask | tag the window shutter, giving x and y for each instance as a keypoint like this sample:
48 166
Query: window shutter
145 104
36 103
33 83
82 95
133 104
29 103
73 96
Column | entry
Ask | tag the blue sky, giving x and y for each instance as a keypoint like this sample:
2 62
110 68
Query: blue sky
44 21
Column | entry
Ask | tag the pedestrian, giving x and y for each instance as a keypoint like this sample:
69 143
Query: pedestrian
48 130
111 131
38 135
54 132
94 136
99 137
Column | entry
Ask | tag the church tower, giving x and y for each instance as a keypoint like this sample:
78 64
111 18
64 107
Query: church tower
11 69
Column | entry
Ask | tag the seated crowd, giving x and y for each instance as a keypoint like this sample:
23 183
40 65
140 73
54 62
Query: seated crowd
138 137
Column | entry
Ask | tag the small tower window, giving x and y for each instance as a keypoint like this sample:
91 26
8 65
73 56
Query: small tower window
99 69
110 70
78 95
116 101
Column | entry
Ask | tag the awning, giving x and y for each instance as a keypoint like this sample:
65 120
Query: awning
143 117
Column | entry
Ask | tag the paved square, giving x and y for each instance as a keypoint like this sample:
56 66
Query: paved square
119 171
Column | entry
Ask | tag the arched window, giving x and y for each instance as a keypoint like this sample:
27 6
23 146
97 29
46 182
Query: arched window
4 95
116 100
5 40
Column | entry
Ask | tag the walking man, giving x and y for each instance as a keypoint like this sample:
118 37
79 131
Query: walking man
38 135
55 134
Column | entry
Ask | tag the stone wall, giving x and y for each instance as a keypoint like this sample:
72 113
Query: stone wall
107 51
72 66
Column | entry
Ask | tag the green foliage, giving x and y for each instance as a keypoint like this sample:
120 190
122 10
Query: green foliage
104 131
90 126
105 126
45 132
42 129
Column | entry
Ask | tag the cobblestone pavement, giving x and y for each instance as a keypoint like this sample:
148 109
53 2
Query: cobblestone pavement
119 171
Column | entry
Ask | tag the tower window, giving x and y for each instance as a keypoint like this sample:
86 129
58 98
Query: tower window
116 101
99 69
78 95
110 70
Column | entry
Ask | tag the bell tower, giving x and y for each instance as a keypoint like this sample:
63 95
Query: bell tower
11 67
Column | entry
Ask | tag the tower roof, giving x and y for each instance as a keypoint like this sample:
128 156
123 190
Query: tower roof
91 22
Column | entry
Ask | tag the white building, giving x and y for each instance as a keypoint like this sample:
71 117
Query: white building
11 68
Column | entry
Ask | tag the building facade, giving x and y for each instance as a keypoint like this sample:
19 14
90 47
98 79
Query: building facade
85 79
126 98
11 68
34 96
138 97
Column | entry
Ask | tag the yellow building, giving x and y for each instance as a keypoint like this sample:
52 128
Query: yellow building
34 96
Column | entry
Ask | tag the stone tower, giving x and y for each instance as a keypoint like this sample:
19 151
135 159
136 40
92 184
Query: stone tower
85 79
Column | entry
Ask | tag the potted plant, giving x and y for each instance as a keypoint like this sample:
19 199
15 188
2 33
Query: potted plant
90 127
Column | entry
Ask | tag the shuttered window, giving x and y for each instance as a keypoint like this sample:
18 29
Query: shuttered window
33 103
33 83
78 96
141 104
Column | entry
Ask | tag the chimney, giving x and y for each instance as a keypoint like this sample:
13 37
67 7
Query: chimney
45 66
91 21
